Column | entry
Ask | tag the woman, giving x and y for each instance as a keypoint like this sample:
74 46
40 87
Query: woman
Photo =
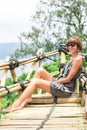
63 86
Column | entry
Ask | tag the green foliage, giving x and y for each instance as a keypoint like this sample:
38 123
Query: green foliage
32 74
67 57
8 100
22 77
52 24
9 81
85 66
52 67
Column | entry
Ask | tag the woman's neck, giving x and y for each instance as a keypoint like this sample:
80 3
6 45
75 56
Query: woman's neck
74 56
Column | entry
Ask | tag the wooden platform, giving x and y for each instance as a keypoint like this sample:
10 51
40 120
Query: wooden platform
67 115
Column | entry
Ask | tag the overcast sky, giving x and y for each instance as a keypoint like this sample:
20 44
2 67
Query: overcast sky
14 18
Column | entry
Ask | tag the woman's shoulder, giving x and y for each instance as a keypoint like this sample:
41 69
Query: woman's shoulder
78 60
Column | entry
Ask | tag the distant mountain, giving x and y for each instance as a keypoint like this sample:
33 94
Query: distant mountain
7 49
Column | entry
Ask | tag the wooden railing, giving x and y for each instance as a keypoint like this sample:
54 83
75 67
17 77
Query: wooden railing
11 64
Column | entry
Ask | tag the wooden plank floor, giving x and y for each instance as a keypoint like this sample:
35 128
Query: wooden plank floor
66 116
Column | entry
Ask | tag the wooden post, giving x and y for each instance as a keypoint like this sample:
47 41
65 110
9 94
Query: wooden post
86 103
13 74
77 87
83 98
62 59
15 78
83 79
3 79
0 102
83 95
40 54
29 73
40 65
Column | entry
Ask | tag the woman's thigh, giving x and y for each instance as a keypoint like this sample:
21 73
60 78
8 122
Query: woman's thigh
43 74
42 84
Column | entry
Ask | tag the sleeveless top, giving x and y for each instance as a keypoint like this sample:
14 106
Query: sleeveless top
70 86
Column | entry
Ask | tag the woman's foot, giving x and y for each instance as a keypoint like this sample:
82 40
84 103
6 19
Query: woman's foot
17 107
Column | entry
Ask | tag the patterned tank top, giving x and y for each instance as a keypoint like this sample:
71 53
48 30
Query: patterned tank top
70 86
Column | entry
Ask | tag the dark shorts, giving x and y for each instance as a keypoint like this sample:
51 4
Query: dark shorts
58 90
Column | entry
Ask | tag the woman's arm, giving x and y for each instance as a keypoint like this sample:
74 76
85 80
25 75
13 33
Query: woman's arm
77 64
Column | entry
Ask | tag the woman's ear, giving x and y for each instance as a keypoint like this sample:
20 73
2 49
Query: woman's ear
78 50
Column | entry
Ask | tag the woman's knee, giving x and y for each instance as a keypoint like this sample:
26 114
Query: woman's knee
40 71
35 82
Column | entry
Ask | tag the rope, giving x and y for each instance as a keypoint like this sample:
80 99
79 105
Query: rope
48 115
6 88
50 59
61 66
13 63
40 58
63 49
83 74
22 85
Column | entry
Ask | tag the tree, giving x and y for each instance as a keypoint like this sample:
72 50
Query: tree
74 15
54 22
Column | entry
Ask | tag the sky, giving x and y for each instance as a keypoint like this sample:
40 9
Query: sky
14 18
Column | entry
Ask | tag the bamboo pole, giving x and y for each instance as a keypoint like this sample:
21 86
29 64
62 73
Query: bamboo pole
29 73
83 98
55 73
83 93
13 88
40 65
62 59
0 102
3 79
28 60
14 76
77 87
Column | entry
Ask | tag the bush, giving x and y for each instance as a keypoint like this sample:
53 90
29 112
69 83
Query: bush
22 77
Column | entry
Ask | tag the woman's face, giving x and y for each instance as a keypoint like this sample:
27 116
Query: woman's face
72 47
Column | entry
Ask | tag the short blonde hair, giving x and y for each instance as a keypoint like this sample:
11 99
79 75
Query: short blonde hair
77 40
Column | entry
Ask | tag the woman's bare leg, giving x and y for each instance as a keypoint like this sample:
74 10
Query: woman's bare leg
34 84
43 74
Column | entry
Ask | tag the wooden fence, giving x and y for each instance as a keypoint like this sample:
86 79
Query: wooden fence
11 64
